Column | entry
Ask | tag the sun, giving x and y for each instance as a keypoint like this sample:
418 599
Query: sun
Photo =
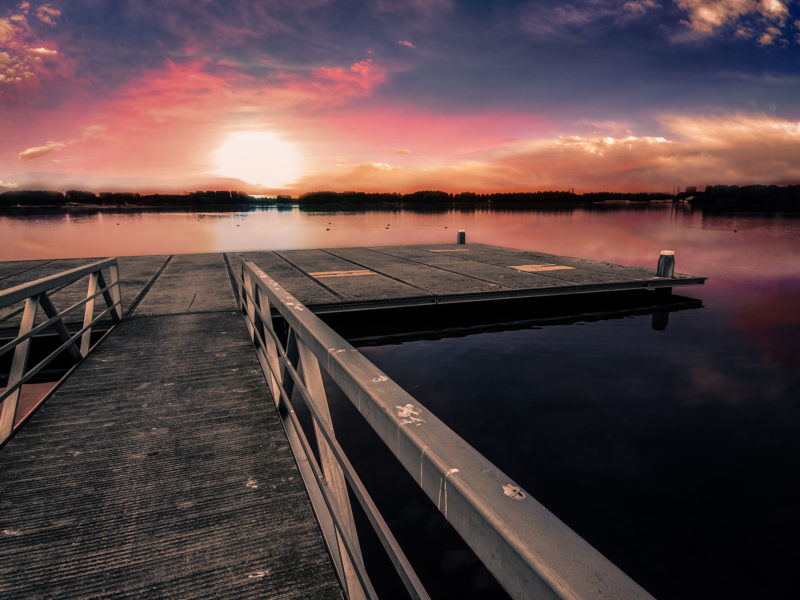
258 157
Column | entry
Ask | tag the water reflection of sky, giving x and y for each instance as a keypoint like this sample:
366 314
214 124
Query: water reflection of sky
652 445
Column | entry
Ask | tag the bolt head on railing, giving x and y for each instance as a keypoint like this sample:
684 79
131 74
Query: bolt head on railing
666 264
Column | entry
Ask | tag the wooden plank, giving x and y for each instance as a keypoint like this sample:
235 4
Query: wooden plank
600 270
18 267
429 278
190 283
308 290
349 289
462 263
160 469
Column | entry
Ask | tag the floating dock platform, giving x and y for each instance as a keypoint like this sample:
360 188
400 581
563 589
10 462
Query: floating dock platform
160 468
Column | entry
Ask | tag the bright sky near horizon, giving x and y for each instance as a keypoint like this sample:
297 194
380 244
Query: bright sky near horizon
289 96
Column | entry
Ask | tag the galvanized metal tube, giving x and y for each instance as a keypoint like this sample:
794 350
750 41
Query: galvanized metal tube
530 552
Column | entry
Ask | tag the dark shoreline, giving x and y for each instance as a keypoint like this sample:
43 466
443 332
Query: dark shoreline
758 198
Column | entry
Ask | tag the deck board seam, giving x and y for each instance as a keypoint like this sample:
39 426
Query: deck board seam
541 273
378 271
443 269
146 288
46 262
306 275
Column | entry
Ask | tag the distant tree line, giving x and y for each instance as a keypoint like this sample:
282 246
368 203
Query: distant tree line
503 199
716 197
748 197
58 199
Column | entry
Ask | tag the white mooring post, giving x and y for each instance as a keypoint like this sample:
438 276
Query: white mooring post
666 264
462 237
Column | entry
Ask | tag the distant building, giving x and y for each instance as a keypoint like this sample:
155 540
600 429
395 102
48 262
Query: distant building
691 189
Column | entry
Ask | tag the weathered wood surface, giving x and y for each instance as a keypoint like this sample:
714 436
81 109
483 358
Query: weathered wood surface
190 283
160 468
135 272
351 278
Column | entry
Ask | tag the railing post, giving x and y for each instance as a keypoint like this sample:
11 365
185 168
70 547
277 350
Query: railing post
247 288
88 314
269 350
8 411
334 476
116 293
242 292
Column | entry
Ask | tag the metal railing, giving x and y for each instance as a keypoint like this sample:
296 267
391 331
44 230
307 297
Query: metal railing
78 344
529 551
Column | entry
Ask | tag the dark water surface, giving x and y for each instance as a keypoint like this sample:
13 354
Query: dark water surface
673 452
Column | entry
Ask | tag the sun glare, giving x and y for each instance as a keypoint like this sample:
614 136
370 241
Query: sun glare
258 157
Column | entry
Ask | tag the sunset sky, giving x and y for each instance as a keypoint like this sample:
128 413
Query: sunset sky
290 96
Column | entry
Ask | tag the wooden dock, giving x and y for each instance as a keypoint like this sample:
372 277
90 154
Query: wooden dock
160 467
342 279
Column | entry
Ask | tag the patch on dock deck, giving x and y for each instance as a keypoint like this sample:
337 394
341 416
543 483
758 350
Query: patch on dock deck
537 268
353 273
452 250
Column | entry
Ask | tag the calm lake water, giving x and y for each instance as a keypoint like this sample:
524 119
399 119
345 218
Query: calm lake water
674 452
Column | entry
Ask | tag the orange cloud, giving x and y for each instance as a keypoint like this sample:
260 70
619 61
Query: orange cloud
707 15
48 14
700 151
25 61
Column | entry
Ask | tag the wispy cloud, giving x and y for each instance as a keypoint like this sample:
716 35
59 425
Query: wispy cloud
406 43
568 19
39 151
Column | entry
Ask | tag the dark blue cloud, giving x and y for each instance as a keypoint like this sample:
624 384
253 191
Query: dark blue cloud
590 57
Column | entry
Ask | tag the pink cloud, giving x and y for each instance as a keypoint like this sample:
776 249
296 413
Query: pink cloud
359 79
426 135
406 43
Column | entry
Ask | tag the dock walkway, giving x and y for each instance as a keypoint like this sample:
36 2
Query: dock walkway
160 468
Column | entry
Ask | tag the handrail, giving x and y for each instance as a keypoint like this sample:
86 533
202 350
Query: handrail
79 344
33 288
529 550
